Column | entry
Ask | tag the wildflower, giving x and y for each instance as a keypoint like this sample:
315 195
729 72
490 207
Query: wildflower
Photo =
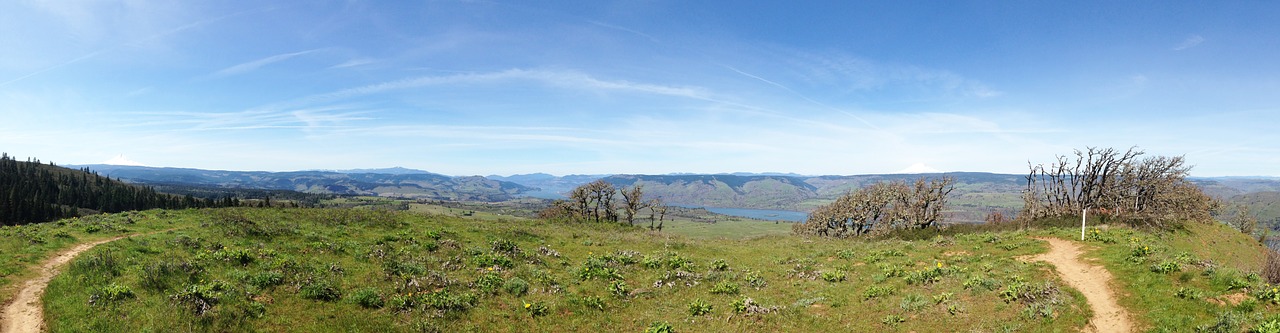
490 268
527 305
939 264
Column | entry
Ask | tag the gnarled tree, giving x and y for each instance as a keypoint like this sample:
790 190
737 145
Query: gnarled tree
880 207
594 202
1152 190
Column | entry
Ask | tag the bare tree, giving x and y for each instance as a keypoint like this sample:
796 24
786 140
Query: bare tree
656 207
595 202
599 195
1153 189
922 206
632 202
878 208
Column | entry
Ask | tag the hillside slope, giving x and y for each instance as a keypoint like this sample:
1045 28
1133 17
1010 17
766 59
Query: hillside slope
721 190
400 184
34 192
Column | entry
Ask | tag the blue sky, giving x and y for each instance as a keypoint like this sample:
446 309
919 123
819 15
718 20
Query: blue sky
493 87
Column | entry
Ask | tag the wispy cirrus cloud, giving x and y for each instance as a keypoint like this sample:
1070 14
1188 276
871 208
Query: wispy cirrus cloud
254 65
850 74
354 63
1190 42
308 119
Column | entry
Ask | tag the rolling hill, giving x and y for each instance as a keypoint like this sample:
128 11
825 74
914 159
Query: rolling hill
31 191
422 185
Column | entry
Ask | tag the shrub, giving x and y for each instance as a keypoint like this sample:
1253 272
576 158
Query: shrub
719 265
1226 322
1166 267
1271 270
834 276
200 298
619 289
111 293
650 261
755 280
516 286
725 287
660 327
321 290
925 276
1012 292
675 261
1267 295
266 279
1140 251
489 282
913 303
406 268
1270 326
1236 282
699 307
589 272
622 257
535 309
892 320
942 298
505 246
890 270
873 292
445 301
484 260
368 298
594 302
1189 293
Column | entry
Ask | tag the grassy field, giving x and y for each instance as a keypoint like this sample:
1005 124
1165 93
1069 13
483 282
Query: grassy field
22 247
366 270
1200 278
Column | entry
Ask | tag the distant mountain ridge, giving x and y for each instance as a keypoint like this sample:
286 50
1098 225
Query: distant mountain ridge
976 193
387 171
406 183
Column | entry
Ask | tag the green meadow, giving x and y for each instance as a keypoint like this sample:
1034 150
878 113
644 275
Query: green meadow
424 270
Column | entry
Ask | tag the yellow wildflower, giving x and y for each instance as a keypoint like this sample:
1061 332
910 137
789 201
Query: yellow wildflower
939 264
526 305
491 268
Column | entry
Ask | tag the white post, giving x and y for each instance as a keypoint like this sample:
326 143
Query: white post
1084 213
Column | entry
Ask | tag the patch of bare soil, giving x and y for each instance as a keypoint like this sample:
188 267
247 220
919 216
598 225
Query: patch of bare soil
1093 281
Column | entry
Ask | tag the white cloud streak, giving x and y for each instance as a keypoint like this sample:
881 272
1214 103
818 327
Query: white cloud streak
1190 42
254 65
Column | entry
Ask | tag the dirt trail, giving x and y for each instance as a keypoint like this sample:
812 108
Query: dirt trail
1091 280
26 313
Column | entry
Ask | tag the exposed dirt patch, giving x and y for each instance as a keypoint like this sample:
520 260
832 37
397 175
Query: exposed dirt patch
1233 299
26 313
1091 280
